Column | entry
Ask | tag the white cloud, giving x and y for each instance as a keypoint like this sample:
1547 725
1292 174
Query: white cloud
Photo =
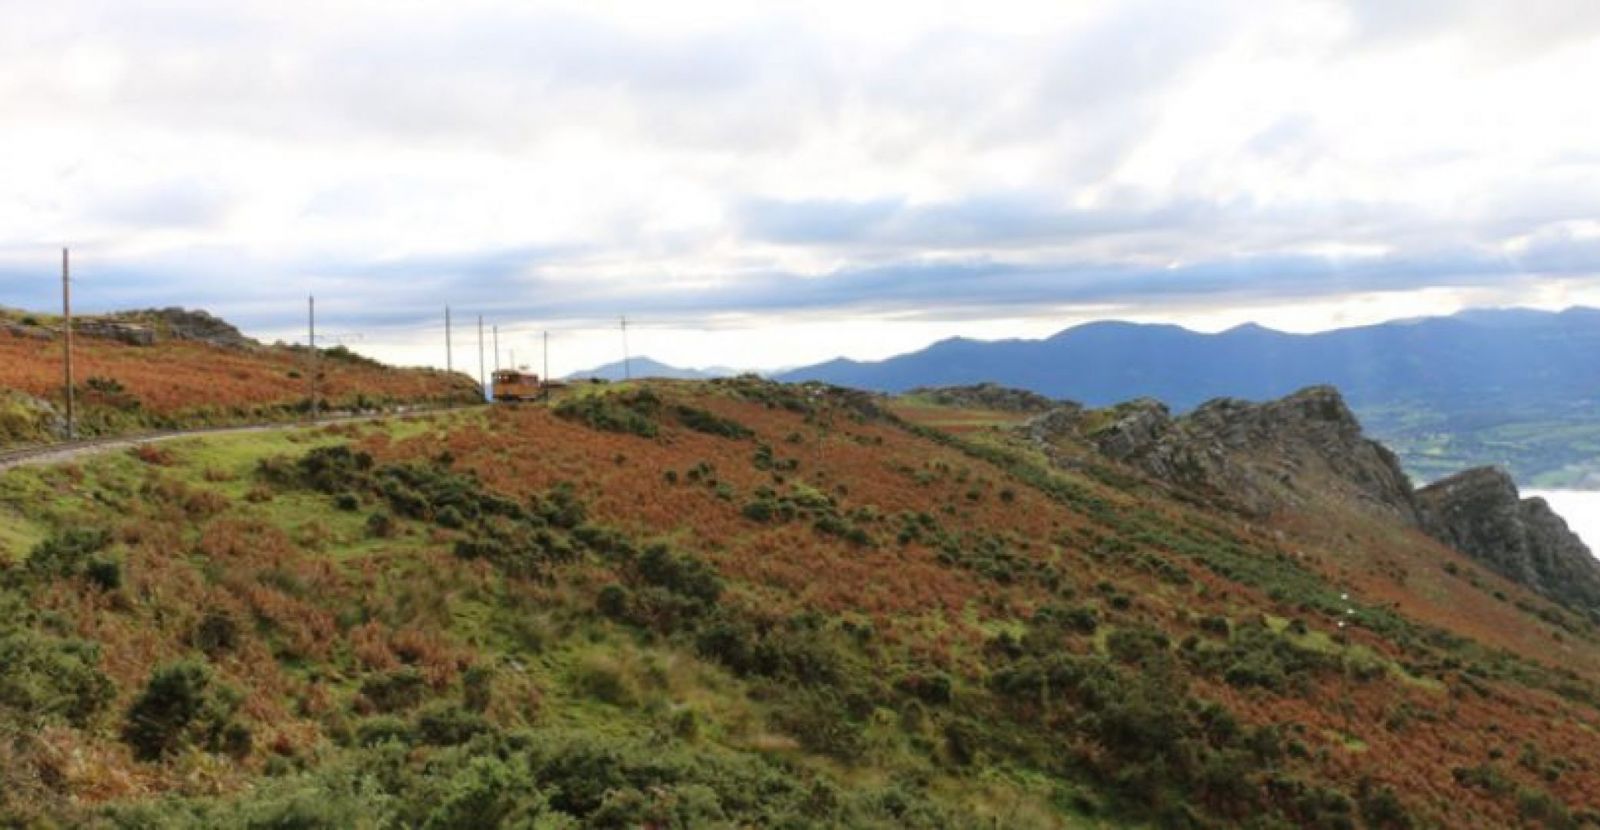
573 160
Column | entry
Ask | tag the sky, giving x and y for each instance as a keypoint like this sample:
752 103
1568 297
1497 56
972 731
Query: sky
771 184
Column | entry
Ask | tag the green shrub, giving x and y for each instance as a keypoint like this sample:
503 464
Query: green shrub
477 687
446 724
381 525
395 691
633 412
488 792
382 729
216 633
68 553
182 705
104 572
681 574
710 423
612 601
1381 809
44 679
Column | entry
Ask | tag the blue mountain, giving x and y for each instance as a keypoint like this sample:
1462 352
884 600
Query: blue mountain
1514 387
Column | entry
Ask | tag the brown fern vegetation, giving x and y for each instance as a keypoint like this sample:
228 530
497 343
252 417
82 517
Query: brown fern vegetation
739 604
177 384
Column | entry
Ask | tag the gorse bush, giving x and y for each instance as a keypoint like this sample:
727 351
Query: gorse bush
632 412
45 679
68 553
183 705
710 423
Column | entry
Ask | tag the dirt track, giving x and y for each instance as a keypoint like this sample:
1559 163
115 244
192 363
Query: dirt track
67 451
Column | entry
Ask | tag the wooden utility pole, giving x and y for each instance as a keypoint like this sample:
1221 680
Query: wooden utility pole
483 382
311 341
449 357
627 363
545 387
66 313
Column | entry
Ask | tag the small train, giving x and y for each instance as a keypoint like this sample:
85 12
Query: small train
510 385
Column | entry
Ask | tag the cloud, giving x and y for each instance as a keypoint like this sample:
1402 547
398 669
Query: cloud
586 159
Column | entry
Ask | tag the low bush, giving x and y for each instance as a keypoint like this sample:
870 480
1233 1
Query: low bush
395 691
183 705
45 679
634 412
710 423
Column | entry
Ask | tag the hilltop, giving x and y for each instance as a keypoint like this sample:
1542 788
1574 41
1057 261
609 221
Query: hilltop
1514 388
739 603
173 368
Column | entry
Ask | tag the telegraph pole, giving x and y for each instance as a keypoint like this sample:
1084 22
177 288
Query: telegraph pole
483 385
545 385
627 363
311 340
449 357
66 313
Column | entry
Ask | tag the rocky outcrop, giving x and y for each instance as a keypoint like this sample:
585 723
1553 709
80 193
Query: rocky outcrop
987 396
132 334
135 328
1259 457
1480 513
183 324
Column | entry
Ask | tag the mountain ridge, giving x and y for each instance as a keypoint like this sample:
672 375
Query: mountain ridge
1447 393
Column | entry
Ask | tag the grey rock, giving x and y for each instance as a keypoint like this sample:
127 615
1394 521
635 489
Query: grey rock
1259 458
129 333
184 324
1481 513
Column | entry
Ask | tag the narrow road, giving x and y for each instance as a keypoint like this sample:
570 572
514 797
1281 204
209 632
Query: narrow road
67 451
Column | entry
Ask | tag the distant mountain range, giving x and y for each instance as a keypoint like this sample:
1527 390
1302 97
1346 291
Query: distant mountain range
644 367
1513 387
1516 388
1514 353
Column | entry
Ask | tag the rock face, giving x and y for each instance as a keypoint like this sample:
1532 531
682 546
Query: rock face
987 396
1480 513
1259 457
183 324
135 328
131 333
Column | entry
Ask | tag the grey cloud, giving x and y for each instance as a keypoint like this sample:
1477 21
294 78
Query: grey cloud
998 219
166 205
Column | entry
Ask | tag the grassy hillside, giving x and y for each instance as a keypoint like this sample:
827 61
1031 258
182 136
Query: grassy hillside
733 604
178 383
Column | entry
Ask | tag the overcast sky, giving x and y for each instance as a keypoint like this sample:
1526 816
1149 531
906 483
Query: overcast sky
765 184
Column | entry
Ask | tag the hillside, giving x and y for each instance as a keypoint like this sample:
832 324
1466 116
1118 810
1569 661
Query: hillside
737 603
1515 388
164 369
